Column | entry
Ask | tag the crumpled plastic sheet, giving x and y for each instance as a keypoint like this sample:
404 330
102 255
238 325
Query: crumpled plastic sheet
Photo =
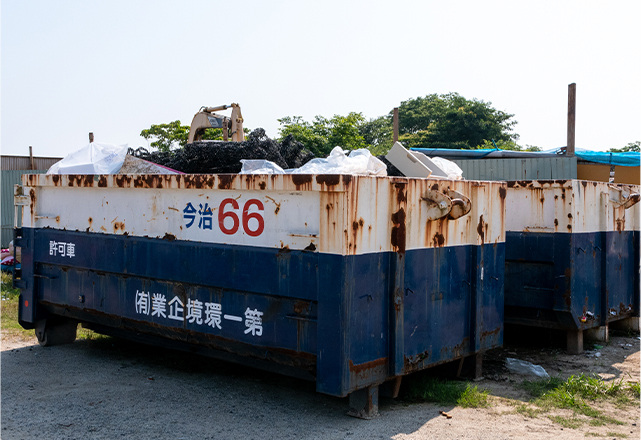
359 162
525 368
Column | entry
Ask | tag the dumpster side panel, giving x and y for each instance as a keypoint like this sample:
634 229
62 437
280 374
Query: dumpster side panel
344 277
571 258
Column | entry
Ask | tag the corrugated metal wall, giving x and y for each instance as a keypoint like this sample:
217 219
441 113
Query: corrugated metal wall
548 168
8 179
24 162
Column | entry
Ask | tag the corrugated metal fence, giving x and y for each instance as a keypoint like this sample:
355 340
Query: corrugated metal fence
7 180
24 162
551 168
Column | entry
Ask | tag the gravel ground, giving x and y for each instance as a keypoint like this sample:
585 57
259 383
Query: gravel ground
109 388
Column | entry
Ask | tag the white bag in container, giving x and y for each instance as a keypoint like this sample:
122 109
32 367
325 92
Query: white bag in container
358 162
452 170
260 166
92 159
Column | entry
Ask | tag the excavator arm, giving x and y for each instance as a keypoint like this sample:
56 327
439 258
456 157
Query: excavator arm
206 118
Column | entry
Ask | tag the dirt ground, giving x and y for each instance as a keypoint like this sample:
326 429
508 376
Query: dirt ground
109 388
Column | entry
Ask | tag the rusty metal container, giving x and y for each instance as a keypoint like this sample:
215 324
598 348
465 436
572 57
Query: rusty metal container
349 281
572 255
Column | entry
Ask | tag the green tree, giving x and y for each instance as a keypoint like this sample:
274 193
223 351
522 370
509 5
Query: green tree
378 134
322 135
174 135
451 121
506 145
631 147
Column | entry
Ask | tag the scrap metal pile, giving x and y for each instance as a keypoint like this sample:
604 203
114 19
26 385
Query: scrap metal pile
224 157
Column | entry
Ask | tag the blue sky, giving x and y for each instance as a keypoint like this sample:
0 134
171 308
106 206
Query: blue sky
116 67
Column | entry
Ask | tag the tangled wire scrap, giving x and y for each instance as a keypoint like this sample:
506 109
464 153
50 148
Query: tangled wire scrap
217 157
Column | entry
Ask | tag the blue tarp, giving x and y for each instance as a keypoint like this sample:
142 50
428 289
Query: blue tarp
631 159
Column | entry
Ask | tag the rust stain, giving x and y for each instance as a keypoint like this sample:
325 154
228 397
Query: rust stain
169 237
359 368
481 229
438 240
435 187
301 179
301 307
502 192
347 179
620 224
488 333
123 181
224 181
262 185
32 197
457 350
411 362
401 196
55 178
398 231
310 247
102 183
328 179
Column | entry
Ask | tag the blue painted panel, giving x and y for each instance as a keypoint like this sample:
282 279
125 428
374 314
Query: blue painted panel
336 309
556 279
242 268
246 317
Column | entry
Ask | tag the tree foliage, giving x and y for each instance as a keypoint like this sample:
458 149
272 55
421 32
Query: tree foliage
174 135
506 145
451 121
631 147
322 134
378 134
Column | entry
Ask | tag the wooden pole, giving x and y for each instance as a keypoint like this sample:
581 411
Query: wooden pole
90 137
31 158
395 119
571 119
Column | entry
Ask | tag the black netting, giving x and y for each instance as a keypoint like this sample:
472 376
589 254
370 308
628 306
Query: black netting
224 157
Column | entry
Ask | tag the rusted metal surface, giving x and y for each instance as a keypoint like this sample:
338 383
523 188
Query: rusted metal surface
572 206
572 249
354 272
343 200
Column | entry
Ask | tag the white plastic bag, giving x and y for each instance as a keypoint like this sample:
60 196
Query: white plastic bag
92 159
452 170
525 368
358 162
260 166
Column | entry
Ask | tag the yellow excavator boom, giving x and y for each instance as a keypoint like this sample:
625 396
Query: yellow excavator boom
206 118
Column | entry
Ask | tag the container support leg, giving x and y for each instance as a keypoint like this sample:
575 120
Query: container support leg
575 341
478 365
363 403
598 333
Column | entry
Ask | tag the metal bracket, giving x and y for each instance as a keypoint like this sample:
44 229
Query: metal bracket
621 197
461 205
452 204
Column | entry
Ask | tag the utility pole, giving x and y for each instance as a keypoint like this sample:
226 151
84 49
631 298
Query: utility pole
569 151
395 119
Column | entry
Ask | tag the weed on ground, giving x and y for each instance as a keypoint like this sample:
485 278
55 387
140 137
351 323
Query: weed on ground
446 392
581 394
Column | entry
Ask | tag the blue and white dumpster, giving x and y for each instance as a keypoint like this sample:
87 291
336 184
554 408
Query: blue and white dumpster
572 255
350 281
